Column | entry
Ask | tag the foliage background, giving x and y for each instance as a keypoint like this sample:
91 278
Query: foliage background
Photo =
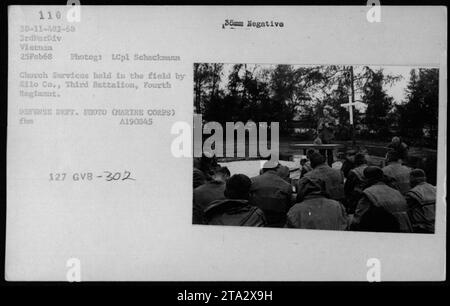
295 95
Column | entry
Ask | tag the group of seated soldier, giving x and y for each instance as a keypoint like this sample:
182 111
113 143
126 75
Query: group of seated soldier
351 196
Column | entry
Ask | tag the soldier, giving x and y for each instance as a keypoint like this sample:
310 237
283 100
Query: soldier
398 173
333 179
208 192
339 162
380 200
349 162
400 147
199 177
271 194
235 209
284 173
421 201
204 167
325 129
305 163
355 183
315 209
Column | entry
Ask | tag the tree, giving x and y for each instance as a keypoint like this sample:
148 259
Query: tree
288 86
278 93
379 104
419 112
206 83
200 78
216 73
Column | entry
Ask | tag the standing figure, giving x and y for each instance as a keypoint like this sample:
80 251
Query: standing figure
325 132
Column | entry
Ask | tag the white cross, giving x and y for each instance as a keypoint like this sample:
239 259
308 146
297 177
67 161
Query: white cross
350 108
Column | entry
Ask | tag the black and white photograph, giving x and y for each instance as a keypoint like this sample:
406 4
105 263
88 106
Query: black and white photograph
225 143
357 147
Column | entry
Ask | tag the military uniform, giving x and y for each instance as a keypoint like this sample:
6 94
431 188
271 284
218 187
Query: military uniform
272 195
317 212
391 200
334 181
325 131
399 174
422 204
233 212
354 186
203 196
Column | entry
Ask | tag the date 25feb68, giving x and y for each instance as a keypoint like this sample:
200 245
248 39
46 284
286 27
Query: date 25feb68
108 176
